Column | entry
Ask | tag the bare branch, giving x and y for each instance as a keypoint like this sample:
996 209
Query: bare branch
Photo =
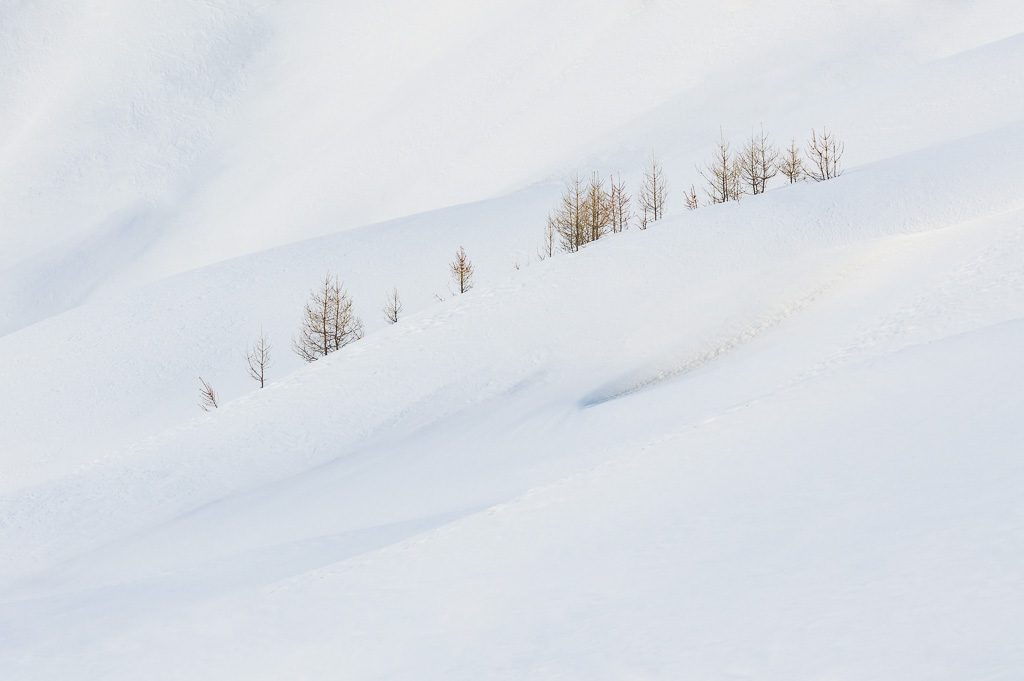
207 397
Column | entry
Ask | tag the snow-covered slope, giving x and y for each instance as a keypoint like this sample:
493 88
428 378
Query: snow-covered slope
141 139
772 440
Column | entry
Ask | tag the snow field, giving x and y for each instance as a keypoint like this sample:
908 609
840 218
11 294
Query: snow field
773 440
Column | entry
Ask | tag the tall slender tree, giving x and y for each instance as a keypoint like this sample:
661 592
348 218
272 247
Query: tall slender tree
570 218
257 358
597 209
619 205
547 247
652 194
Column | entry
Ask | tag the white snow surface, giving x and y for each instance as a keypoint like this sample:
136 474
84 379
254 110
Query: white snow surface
781 439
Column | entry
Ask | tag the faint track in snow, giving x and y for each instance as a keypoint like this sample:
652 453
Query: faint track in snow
982 288
738 335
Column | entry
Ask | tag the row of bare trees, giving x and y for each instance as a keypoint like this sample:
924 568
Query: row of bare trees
587 211
329 323
730 175
590 209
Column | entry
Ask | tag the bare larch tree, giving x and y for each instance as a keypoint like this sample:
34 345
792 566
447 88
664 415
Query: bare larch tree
757 163
721 182
691 198
824 153
207 397
570 218
547 247
597 209
462 271
618 204
652 194
392 306
791 164
747 176
257 358
328 322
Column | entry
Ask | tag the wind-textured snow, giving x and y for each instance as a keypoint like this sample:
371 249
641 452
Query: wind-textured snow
780 439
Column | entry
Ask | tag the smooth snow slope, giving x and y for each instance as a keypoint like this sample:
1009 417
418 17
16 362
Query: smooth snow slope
771 445
141 139
126 366
773 440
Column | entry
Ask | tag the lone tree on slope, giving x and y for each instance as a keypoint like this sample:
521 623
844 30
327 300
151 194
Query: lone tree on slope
328 322
257 358
462 271
392 306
